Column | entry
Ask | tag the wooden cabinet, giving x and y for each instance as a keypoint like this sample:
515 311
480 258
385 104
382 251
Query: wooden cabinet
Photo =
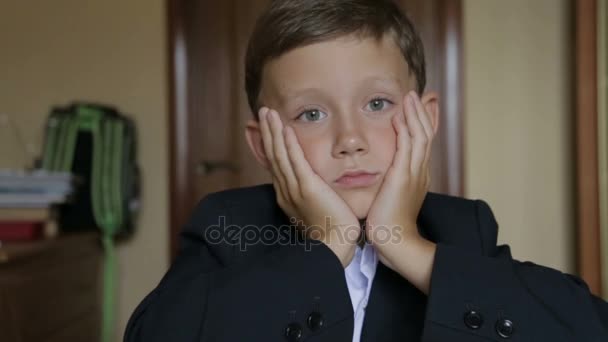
50 290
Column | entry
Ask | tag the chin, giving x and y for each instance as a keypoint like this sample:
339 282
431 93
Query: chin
361 214
359 202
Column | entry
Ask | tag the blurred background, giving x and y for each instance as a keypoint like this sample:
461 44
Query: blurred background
522 84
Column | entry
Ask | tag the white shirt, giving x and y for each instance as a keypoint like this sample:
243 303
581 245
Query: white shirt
359 277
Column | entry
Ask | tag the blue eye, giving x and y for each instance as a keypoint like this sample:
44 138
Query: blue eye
311 115
378 104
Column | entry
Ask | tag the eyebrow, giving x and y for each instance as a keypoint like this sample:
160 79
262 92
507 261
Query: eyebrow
295 93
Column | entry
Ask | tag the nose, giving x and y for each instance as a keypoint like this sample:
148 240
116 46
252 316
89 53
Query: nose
349 142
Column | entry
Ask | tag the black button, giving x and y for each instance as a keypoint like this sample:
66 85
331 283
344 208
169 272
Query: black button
505 328
315 321
473 319
293 332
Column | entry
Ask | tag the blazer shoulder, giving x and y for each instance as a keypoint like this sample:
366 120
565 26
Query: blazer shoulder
233 223
250 206
257 199
458 221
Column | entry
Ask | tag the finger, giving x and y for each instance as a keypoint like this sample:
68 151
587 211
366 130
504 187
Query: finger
269 141
281 156
423 117
428 128
266 136
427 157
301 167
281 199
419 139
276 131
401 161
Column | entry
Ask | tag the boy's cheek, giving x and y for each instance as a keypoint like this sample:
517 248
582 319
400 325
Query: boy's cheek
387 138
318 156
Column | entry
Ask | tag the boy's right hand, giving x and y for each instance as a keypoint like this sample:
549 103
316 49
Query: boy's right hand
303 194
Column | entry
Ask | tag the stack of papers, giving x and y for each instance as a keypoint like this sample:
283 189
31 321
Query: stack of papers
34 189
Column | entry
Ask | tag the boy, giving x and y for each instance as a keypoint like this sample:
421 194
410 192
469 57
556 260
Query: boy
347 244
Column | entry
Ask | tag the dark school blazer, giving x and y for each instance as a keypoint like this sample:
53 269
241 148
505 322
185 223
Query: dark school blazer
242 274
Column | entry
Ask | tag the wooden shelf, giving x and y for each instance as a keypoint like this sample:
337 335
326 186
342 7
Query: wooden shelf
50 290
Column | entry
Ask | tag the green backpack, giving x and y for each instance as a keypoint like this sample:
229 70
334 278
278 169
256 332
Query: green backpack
98 145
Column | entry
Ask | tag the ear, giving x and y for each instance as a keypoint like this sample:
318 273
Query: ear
430 101
253 134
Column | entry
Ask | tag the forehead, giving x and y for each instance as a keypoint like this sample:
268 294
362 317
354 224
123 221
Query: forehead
337 66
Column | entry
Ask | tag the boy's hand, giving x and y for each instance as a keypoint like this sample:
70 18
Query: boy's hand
391 221
303 194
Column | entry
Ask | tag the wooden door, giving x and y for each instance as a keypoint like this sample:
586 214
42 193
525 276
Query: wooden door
589 251
208 105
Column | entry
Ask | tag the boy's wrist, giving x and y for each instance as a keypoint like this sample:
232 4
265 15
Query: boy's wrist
416 262
340 239
342 242
344 253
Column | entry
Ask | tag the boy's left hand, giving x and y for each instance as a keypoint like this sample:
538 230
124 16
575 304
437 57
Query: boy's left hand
391 221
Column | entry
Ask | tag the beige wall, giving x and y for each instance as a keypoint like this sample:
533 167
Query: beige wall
518 123
110 51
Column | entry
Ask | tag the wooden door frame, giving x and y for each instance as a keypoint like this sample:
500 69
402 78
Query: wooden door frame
451 46
587 173
181 163
180 144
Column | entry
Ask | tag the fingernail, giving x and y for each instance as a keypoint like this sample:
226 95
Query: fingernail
269 115
275 115
410 102
262 113
411 97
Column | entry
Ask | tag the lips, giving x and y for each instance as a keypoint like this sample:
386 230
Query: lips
357 178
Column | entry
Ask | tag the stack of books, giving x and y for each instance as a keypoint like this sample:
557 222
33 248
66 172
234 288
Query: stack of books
27 203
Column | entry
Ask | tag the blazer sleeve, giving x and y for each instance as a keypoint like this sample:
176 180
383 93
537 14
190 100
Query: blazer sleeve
179 308
494 297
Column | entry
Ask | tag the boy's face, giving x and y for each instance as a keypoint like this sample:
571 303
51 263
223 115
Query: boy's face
339 96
